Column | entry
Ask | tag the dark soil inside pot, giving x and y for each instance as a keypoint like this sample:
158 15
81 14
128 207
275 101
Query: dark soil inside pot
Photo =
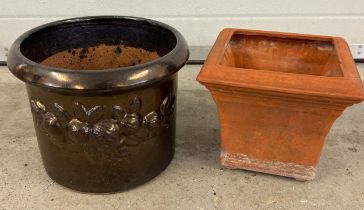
100 57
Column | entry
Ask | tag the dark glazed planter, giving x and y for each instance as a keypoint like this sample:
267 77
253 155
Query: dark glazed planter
102 92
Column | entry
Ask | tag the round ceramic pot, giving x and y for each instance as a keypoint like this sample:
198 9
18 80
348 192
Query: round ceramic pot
102 92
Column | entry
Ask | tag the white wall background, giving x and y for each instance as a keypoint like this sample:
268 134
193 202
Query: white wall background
199 21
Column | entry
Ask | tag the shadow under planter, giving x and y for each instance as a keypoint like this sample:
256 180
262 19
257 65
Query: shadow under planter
277 96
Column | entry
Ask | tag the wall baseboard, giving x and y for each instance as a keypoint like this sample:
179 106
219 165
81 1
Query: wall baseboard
198 54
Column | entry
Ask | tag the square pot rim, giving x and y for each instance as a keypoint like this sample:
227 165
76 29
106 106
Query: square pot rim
347 87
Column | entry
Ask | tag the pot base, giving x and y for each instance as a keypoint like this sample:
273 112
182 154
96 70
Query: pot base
108 189
241 161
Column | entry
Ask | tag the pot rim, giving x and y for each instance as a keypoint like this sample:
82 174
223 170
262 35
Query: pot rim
347 88
103 80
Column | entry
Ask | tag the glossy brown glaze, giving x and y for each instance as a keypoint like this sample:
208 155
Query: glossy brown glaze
100 57
277 96
102 92
105 143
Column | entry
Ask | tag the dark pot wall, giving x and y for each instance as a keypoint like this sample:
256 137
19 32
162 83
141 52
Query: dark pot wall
92 156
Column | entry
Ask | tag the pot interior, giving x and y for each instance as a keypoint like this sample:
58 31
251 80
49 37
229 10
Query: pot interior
98 44
100 57
290 55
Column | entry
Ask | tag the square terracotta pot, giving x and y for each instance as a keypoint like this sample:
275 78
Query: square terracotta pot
277 96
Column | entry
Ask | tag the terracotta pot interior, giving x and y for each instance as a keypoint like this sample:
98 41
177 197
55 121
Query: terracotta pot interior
290 55
98 44
100 57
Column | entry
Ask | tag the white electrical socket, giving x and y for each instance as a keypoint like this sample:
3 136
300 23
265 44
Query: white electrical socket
3 54
357 50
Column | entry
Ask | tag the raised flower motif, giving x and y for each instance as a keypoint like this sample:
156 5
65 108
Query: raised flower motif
126 126
129 120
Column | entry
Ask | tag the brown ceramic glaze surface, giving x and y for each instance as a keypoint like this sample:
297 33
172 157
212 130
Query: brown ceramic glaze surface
100 57
278 95
105 143
102 92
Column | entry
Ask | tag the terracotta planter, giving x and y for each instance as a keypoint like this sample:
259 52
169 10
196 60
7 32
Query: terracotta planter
102 92
277 96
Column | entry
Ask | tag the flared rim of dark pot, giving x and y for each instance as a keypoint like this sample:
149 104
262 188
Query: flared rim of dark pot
103 80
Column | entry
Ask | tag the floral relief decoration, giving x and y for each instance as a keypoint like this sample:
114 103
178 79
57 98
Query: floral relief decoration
88 128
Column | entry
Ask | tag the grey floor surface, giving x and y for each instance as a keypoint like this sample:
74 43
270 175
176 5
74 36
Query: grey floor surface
194 179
